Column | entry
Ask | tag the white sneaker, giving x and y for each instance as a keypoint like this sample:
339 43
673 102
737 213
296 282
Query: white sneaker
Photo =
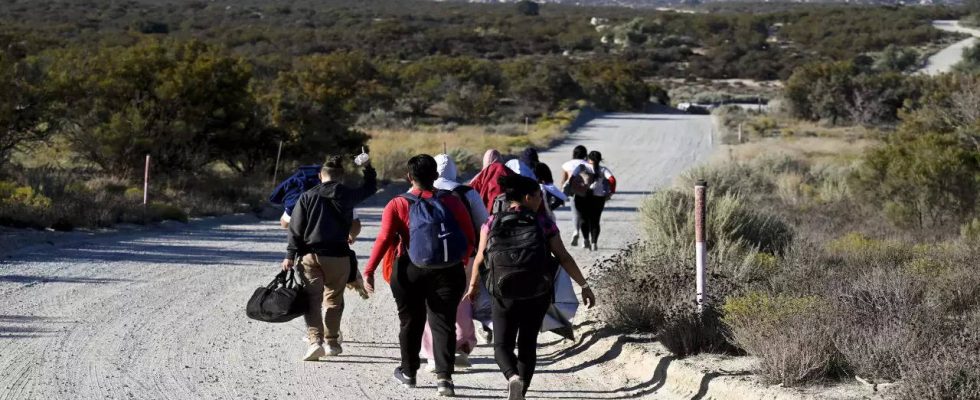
463 360
430 366
340 338
314 353
334 349
485 335
515 388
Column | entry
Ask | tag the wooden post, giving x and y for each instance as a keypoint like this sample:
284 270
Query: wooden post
146 186
700 214
275 172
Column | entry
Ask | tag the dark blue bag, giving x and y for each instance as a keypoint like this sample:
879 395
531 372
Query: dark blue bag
435 237
288 191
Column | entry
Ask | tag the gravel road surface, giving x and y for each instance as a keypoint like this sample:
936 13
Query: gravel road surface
945 59
159 313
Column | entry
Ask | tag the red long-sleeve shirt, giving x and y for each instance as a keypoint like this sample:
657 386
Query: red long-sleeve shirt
394 227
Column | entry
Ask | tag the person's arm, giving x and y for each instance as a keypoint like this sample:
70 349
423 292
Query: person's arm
474 286
384 241
478 211
297 229
370 185
355 231
564 178
571 267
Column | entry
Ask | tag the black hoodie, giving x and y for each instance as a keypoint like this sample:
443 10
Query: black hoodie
323 215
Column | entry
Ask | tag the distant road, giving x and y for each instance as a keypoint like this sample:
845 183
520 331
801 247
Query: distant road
944 60
159 314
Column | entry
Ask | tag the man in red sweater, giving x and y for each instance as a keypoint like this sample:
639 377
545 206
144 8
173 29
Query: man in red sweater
422 292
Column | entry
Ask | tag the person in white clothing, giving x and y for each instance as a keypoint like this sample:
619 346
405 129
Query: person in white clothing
579 153
601 185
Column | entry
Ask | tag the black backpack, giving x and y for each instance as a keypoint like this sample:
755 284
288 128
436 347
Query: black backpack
519 265
281 301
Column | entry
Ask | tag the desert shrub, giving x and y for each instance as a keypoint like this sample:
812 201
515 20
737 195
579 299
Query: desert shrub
167 212
668 217
948 370
970 231
648 288
791 336
879 317
22 206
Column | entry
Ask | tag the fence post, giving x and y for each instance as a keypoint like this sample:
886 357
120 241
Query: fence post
700 189
275 172
146 186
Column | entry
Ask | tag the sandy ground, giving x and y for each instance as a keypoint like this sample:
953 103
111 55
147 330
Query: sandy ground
945 59
159 313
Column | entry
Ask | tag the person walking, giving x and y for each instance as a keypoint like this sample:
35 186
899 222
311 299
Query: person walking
465 330
320 230
520 247
434 235
601 184
485 182
579 154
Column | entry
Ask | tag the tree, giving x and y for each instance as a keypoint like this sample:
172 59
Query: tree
25 115
184 103
613 85
528 8
541 83
821 91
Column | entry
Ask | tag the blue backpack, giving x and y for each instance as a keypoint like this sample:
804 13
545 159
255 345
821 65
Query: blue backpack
435 237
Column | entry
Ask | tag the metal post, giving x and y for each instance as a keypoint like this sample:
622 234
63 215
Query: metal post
275 173
700 189
739 132
527 123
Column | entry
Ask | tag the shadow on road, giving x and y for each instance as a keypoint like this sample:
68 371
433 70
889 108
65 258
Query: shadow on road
30 326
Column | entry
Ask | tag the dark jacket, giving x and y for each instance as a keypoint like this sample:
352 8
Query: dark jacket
288 192
323 216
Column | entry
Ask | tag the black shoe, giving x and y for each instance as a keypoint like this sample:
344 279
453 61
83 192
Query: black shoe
445 388
489 335
404 380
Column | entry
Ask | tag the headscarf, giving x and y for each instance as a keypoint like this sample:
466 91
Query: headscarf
490 157
485 182
447 172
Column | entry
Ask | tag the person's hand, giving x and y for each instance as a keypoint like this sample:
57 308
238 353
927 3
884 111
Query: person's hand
358 287
287 264
369 283
588 297
471 293
351 239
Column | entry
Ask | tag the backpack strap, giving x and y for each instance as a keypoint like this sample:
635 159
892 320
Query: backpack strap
412 199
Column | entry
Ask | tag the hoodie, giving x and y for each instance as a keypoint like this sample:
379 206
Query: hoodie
323 215
447 181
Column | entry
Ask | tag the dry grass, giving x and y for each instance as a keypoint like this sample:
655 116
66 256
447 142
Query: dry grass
391 148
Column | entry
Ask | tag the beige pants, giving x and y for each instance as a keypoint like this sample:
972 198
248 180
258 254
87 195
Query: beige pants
324 280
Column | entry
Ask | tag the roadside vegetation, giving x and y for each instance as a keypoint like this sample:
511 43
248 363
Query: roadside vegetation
835 250
210 89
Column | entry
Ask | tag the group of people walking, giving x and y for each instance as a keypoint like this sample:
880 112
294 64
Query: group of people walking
448 251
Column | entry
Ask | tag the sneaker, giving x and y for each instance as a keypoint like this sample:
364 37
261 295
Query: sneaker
575 239
515 388
340 338
485 334
463 360
404 380
430 366
445 388
595 246
314 353
586 245
334 349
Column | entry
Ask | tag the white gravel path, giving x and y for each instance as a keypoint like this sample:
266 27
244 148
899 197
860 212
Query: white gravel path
158 314
945 59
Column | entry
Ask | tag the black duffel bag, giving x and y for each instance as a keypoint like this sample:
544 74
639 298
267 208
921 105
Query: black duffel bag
281 301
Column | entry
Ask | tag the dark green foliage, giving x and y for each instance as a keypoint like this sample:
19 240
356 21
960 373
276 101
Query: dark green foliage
529 8
26 103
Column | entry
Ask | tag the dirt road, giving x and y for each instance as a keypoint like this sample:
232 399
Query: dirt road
945 59
158 314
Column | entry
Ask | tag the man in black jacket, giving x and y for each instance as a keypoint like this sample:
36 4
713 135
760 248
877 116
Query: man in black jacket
318 235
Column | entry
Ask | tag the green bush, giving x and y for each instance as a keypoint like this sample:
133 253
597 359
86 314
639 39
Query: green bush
732 228
166 212
791 336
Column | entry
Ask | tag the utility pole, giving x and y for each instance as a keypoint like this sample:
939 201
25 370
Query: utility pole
275 172
146 186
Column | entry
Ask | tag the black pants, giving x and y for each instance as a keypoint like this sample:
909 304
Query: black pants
517 322
427 293
589 213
